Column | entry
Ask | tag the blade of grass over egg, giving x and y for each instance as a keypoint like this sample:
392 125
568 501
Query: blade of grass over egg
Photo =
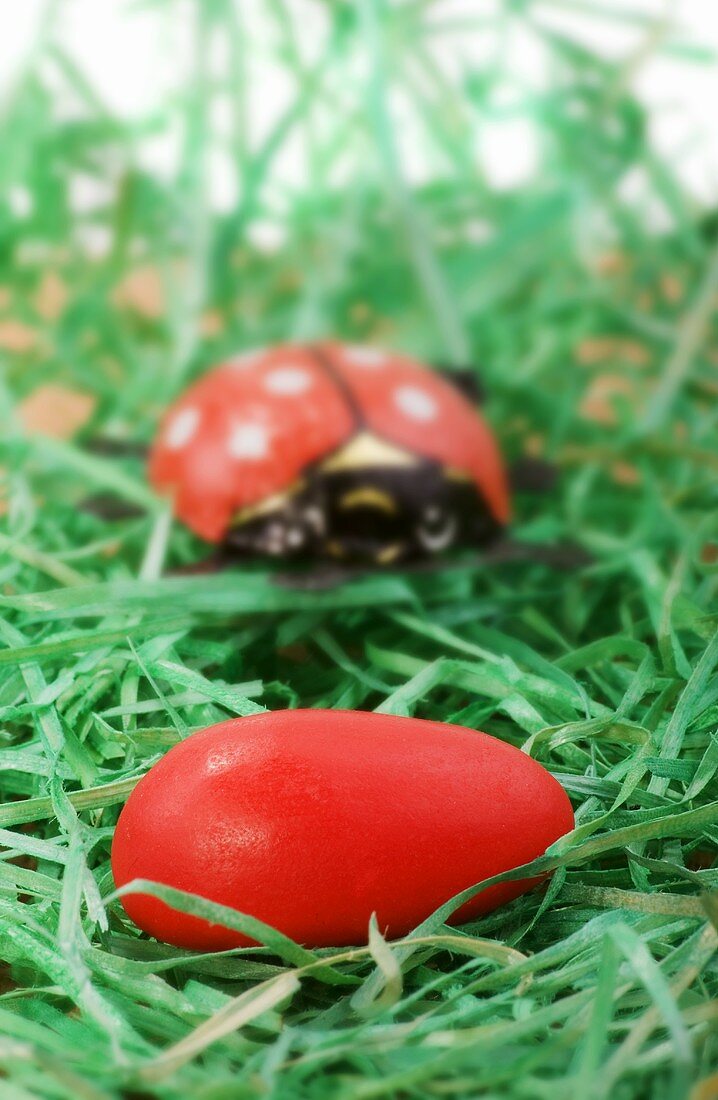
228 918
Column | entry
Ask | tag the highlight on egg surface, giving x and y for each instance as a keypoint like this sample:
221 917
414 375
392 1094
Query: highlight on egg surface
313 820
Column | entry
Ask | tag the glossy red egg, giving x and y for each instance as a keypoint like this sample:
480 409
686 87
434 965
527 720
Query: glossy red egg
312 820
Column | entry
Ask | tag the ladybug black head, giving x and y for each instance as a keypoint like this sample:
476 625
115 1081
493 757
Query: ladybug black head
379 514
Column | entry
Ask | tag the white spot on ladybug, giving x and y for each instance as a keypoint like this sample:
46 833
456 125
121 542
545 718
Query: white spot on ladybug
181 428
362 356
288 381
248 441
416 403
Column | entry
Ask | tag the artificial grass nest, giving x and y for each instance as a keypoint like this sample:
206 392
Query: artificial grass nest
597 341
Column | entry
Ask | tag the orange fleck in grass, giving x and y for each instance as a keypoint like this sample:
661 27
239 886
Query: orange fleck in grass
599 349
142 292
56 411
17 337
211 323
671 288
534 445
625 473
51 297
598 403
612 263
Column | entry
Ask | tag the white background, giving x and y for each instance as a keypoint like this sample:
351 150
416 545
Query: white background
135 57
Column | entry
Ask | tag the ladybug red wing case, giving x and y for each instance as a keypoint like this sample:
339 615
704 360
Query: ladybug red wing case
418 410
244 433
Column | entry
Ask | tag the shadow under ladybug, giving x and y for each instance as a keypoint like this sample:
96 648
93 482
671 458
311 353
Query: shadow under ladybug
335 452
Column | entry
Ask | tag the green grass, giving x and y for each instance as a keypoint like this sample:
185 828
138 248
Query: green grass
604 984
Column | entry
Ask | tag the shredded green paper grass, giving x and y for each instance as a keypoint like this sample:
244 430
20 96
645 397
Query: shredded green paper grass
597 340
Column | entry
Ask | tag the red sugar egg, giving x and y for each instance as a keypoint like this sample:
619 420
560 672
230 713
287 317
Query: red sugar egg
312 820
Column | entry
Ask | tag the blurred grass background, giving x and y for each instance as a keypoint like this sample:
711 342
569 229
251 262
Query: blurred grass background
591 316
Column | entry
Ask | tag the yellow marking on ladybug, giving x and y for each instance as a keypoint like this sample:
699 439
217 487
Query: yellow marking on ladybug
368 497
364 451
389 554
335 548
265 507
454 474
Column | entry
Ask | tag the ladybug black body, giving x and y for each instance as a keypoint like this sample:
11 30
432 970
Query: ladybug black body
379 513
331 451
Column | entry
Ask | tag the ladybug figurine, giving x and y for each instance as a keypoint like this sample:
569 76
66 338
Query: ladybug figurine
331 450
